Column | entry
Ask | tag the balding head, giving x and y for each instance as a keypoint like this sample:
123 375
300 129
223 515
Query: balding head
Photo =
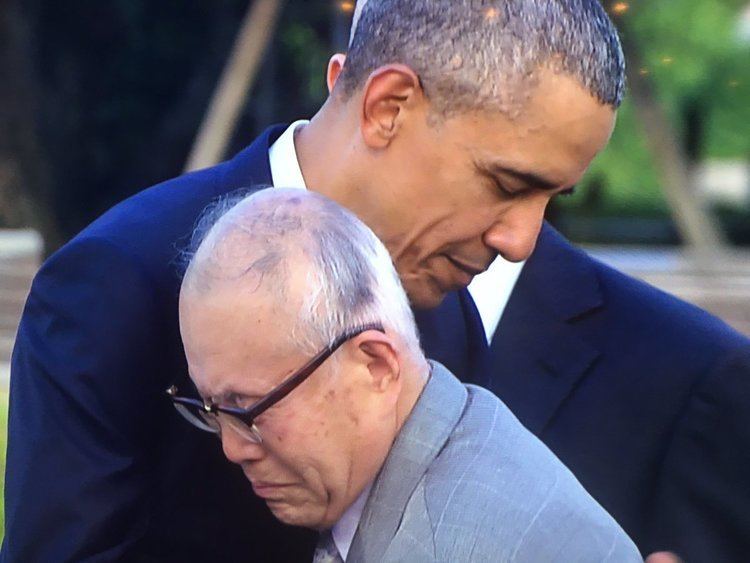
321 267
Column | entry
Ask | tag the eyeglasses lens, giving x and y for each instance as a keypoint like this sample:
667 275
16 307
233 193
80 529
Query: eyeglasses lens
248 432
199 418
210 422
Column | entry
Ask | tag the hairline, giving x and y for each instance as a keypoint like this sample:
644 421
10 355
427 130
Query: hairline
591 54
437 115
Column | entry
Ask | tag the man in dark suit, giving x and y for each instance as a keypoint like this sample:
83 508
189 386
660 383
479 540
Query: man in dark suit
643 396
450 154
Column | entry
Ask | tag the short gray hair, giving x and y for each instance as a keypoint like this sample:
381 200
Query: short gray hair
351 280
472 54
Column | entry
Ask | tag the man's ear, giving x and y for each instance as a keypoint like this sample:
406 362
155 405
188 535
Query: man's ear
377 351
335 66
390 92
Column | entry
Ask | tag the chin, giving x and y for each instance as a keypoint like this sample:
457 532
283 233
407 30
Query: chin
291 515
425 297
298 516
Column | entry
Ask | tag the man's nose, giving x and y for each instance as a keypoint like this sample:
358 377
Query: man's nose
237 448
515 233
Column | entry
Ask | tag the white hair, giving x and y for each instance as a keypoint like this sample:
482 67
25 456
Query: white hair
350 278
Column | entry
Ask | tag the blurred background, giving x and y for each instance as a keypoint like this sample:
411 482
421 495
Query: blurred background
99 100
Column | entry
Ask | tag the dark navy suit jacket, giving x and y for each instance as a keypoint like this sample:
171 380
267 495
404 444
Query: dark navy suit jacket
644 397
100 467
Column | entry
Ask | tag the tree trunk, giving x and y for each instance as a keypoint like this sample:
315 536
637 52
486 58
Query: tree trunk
235 84
689 211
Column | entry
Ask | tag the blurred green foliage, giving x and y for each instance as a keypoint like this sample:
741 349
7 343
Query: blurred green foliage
692 53
309 56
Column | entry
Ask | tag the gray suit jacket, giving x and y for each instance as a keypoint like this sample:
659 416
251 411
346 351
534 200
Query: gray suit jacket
465 481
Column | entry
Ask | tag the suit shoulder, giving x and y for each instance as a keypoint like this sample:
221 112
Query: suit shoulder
618 306
495 488
147 230
159 207
657 310
629 308
154 226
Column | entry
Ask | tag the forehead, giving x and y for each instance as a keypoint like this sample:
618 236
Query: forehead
558 132
235 342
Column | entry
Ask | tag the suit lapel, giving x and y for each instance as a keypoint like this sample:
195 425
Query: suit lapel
250 168
452 335
424 434
478 349
537 357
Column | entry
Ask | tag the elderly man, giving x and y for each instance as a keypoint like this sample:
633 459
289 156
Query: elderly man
448 130
301 343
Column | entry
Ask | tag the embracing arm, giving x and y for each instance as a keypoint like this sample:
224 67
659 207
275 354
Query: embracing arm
76 487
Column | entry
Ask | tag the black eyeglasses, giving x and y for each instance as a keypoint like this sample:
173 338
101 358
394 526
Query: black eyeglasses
209 416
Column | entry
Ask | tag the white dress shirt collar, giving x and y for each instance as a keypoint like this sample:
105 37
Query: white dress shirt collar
491 291
343 531
285 169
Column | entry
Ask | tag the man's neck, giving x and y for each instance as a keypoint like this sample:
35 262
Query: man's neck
416 374
324 153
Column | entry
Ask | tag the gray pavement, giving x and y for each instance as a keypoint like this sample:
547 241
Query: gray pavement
20 253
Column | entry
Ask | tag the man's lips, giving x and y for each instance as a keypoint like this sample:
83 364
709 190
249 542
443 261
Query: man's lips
464 267
267 490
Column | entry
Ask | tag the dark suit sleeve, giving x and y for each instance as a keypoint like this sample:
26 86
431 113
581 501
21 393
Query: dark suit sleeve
76 488
703 507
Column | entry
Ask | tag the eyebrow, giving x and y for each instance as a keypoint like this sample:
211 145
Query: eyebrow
529 178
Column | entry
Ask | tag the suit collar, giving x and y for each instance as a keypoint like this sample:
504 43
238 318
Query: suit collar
537 355
562 276
250 167
422 437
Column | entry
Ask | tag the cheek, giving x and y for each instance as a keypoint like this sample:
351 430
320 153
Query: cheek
296 458
317 429
288 434
299 440
471 221
463 226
